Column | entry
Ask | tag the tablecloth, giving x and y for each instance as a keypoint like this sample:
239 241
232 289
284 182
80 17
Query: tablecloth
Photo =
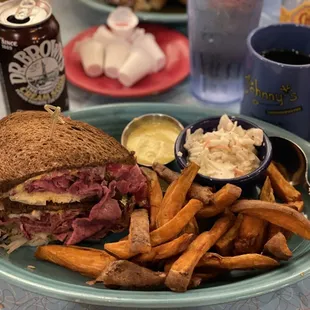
73 18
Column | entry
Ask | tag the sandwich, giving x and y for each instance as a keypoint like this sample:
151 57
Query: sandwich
75 185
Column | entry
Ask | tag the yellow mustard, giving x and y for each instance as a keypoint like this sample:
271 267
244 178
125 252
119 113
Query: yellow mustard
153 141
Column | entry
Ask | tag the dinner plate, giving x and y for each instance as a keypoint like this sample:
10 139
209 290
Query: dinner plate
51 280
171 14
174 45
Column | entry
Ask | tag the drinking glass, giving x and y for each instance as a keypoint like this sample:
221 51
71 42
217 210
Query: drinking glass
217 32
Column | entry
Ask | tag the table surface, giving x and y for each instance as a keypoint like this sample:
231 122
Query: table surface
73 18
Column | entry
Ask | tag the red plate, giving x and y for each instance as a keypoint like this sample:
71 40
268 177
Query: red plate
174 45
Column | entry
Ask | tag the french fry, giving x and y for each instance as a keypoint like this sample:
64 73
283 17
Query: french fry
166 250
196 191
274 229
191 227
222 199
139 232
268 195
123 273
275 213
278 248
225 244
246 261
87 261
182 269
267 191
155 194
253 231
298 205
171 229
175 198
281 186
161 235
251 236
120 249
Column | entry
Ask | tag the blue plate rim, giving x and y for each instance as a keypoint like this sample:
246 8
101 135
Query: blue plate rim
143 16
293 271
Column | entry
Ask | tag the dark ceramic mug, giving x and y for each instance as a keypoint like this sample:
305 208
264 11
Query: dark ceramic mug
276 92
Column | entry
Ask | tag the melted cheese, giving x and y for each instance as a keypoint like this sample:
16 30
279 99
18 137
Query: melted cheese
19 194
34 215
41 198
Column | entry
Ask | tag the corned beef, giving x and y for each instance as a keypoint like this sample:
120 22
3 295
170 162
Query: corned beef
73 226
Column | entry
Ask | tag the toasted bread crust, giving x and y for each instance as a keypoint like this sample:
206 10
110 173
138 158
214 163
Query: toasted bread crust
26 149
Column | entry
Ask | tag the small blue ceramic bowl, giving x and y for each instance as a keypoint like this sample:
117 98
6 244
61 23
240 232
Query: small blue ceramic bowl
210 124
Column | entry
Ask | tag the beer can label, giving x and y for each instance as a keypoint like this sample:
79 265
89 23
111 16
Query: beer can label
36 72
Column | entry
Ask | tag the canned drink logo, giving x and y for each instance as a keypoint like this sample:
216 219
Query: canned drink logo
36 72
31 56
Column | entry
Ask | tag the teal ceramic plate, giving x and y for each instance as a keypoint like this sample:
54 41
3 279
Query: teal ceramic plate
51 280
174 14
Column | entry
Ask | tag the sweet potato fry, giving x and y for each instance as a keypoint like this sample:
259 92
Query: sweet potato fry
174 199
298 205
225 244
166 250
139 232
87 261
123 273
281 186
278 248
251 236
161 235
275 213
121 249
155 194
253 231
181 271
191 227
196 191
222 199
274 229
246 261
175 225
266 193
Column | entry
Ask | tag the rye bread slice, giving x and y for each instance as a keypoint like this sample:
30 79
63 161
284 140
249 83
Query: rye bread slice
26 149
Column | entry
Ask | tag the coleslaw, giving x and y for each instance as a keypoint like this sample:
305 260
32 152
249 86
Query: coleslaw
228 152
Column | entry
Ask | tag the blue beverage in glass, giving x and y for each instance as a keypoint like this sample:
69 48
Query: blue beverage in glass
217 31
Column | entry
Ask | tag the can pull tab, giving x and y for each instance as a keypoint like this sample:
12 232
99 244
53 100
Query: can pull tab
24 9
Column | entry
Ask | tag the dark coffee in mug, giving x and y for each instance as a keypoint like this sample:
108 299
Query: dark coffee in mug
277 75
288 57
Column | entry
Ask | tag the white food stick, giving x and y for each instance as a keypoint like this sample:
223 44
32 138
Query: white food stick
116 54
137 33
103 35
92 57
149 43
137 66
